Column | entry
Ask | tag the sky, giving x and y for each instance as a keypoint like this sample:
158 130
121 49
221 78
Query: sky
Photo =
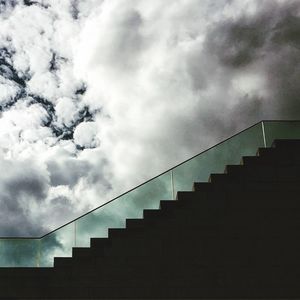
99 96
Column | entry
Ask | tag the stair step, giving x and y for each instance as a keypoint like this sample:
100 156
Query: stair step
81 252
62 261
153 214
100 243
270 161
286 144
248 186
233 169
202 186
119 232
251 160
114 233
169 204
257 175
198 200
261 152
220 178
142 223
159 214
265 173
280 155
135 223
239 199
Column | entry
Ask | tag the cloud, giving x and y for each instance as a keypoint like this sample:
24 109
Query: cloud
23 187
98 96
267 45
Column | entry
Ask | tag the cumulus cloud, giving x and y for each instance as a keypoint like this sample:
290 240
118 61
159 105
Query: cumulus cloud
85 135
98 96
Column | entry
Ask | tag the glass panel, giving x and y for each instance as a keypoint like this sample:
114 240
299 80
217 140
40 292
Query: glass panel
19 252
58 243
131 205
215 159
281 130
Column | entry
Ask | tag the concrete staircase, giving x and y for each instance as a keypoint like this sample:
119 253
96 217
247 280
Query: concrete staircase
236 236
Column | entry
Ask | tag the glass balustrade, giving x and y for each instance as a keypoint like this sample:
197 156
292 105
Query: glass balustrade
215 159
19 252
281 130
31 252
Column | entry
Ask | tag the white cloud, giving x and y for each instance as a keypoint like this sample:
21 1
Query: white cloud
85 135
65 110
8 90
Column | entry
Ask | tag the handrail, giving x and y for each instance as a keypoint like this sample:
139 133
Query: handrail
168 170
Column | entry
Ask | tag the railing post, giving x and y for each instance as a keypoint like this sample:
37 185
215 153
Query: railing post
75 234
172 186
264 133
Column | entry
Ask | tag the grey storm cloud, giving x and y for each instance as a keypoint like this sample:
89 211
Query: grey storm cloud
99 96
22 184
270 38
76 169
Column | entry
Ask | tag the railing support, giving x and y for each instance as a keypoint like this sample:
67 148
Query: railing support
264 133
75 234
172 185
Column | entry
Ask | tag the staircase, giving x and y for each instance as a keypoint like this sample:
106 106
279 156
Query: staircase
236 236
